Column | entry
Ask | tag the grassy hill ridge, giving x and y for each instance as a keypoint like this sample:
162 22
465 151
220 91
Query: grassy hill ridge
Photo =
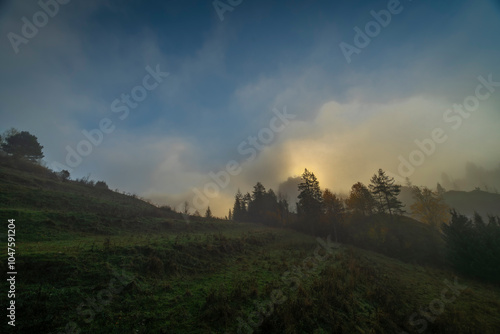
52 206
97 261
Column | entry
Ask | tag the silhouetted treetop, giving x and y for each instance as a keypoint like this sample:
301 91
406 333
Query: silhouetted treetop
23 144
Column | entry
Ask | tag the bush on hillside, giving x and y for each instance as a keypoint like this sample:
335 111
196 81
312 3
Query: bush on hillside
101 185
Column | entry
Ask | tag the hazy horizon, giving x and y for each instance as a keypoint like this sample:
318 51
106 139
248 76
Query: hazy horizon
182 93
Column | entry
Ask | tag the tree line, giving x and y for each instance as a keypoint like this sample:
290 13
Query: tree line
318 211
366 217
261 206
472 245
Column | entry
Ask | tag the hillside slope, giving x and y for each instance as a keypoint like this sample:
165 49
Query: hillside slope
95 261
51 208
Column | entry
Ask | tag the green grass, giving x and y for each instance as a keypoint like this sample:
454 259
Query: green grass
201 282
209 276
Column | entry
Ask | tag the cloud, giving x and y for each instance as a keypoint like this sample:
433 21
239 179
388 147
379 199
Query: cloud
341 149
224 83
474 176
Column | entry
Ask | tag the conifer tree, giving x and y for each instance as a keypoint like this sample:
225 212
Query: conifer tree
208 213
238 213
386 194
310 200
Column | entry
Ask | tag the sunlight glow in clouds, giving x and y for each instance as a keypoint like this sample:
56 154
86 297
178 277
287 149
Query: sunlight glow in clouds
227 76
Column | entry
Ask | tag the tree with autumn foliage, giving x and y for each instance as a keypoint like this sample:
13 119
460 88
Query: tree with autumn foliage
360 200
429 207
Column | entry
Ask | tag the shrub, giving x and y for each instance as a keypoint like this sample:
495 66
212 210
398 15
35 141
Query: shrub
101 185
63 175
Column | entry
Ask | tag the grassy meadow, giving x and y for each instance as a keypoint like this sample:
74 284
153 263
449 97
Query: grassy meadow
92 260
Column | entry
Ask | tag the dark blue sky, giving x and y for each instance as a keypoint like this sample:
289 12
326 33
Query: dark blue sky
226 77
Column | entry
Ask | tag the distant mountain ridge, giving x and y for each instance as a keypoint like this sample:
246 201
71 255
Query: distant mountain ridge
466 202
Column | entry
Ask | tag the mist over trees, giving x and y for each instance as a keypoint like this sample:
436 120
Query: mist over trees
262 206
373 217
475 177
429 206
291 188
370 216
318 211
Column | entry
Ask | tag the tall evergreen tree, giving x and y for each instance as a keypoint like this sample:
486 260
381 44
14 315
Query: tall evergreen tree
208 213
247 199
271 209
256 206
333 211
238 214
284 210
310 200
386 193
